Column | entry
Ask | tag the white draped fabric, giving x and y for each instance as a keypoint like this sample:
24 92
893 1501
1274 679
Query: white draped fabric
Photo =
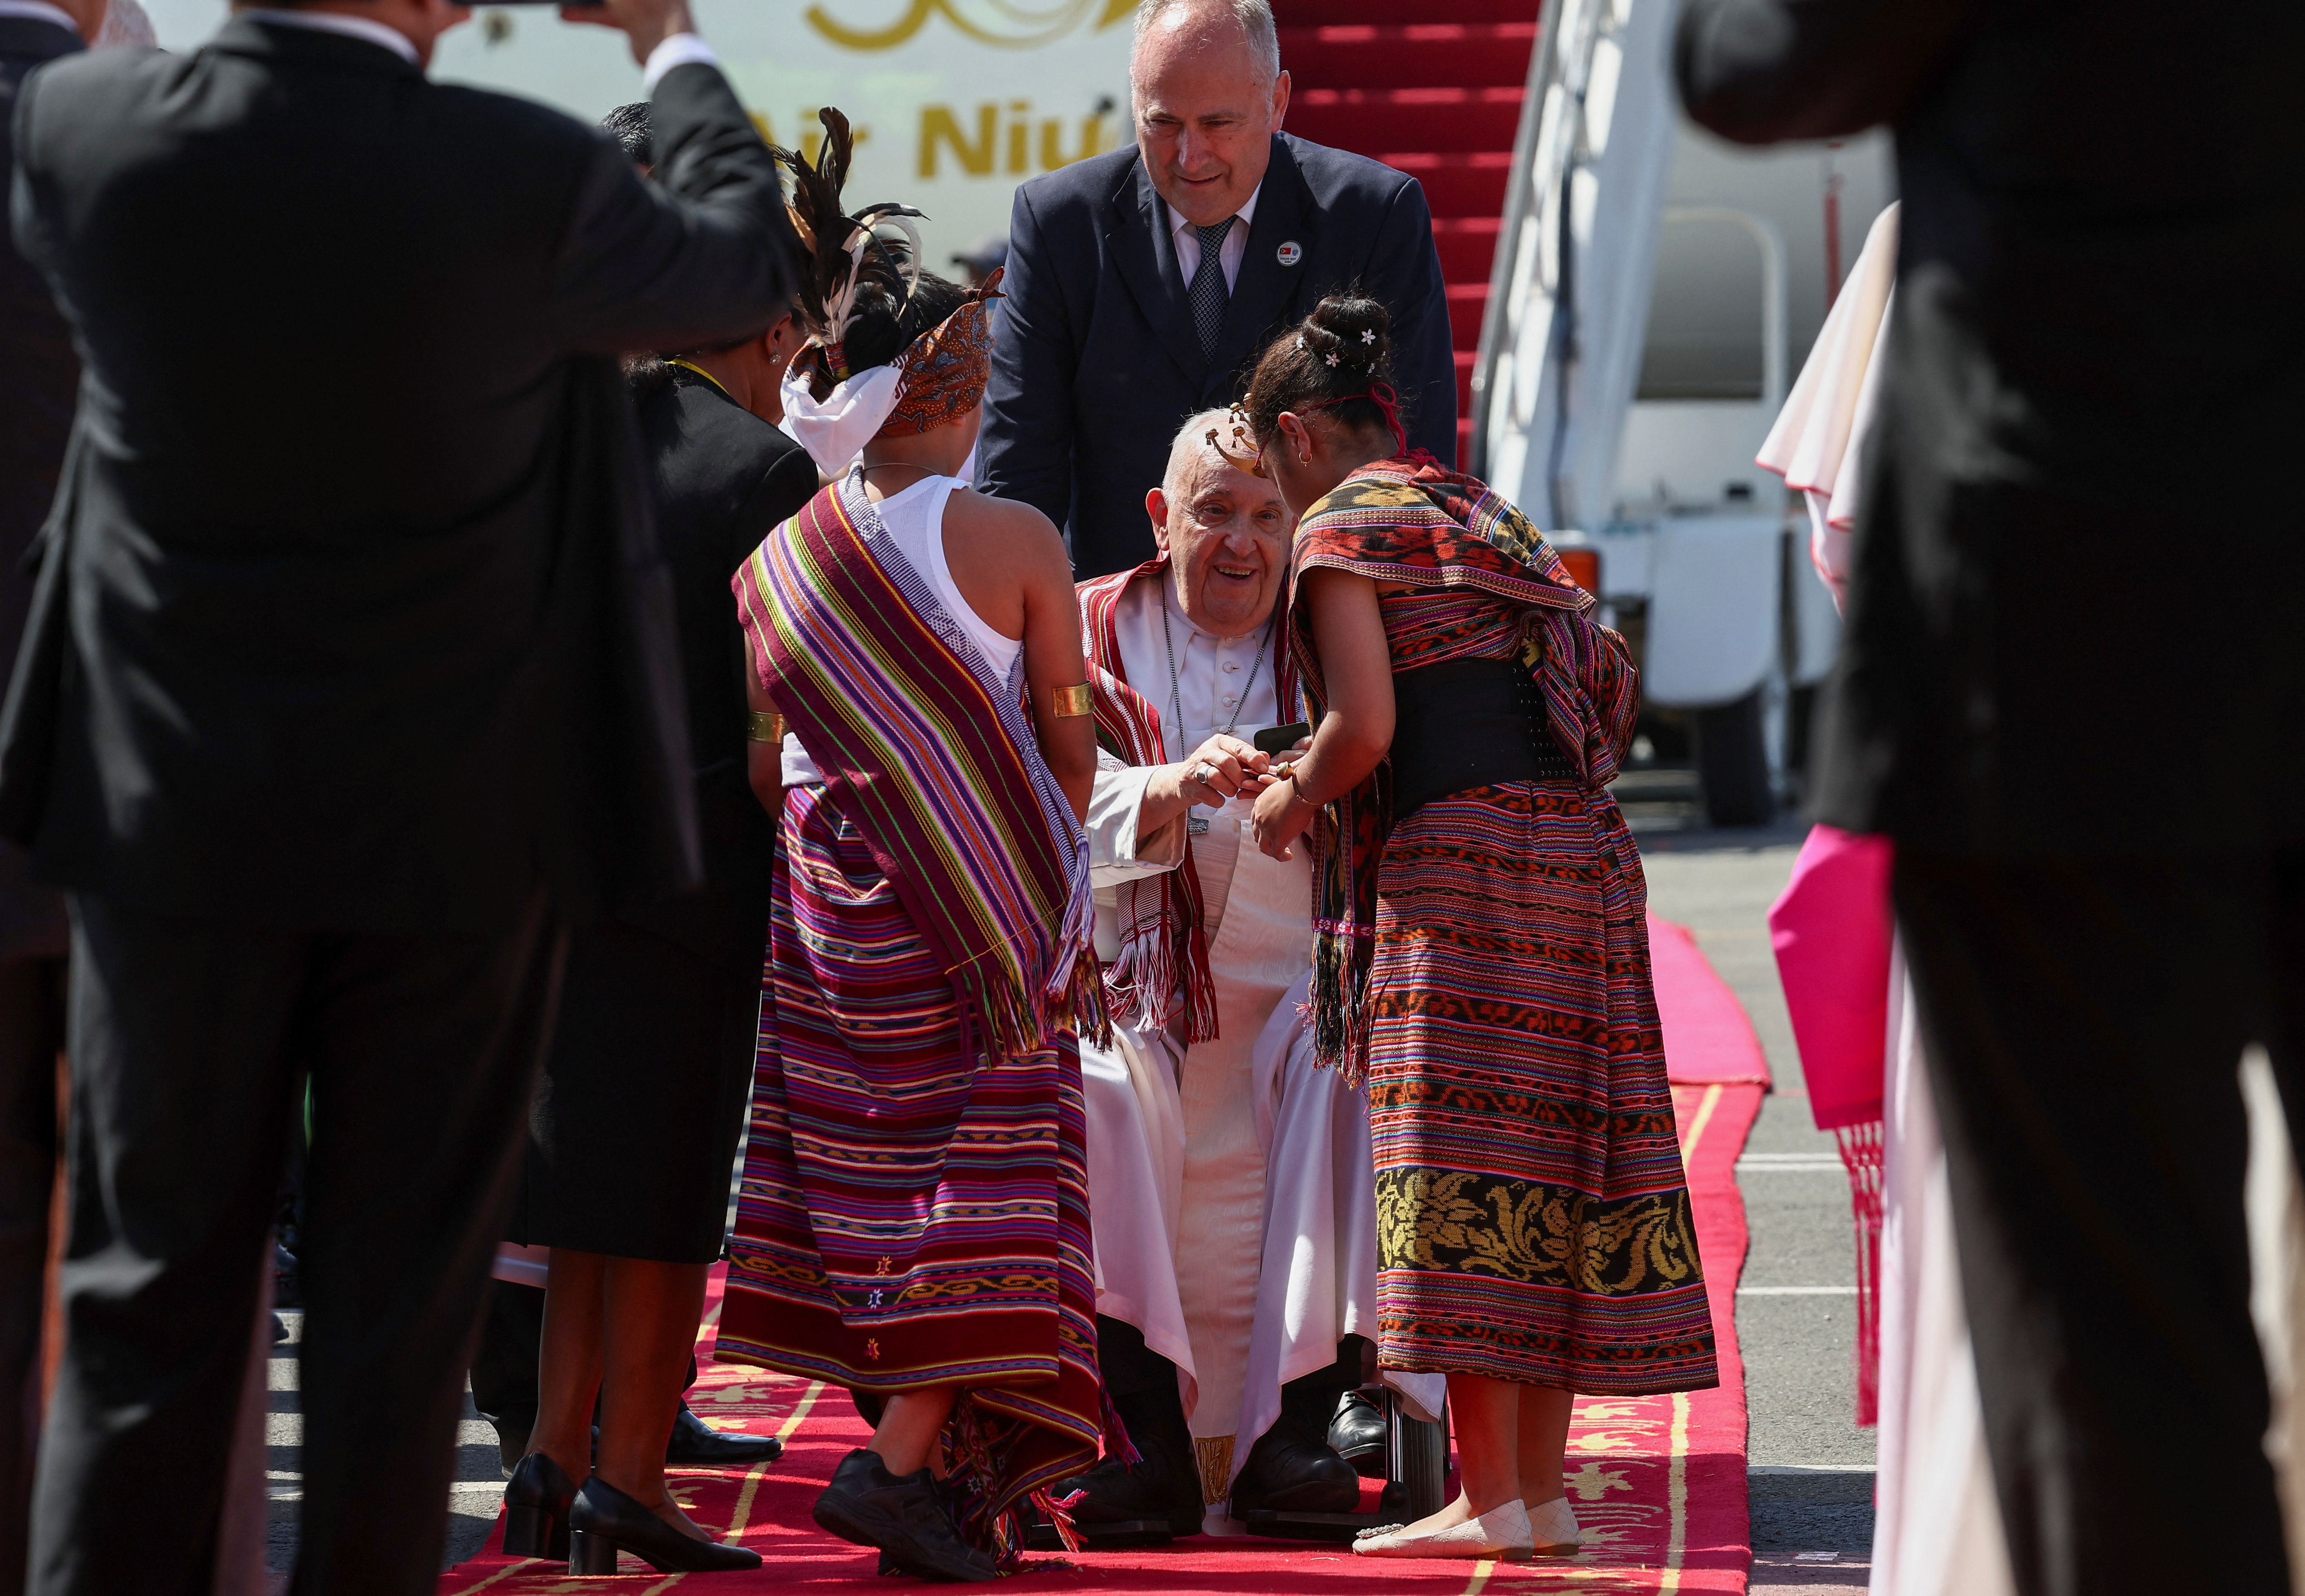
1938 1525
1231 1187
1936 1528
1818 442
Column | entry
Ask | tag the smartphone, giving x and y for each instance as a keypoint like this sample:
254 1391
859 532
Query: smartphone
1280 739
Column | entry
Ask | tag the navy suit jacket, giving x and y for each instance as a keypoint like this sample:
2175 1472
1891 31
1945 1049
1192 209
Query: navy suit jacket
1095 363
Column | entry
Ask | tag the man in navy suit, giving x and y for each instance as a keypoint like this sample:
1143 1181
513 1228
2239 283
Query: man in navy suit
1142 284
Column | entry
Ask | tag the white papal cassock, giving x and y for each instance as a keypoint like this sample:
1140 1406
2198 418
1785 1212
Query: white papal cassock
1231 1183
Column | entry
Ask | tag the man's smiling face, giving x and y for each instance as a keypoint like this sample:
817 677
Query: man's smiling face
1205 111
1227 534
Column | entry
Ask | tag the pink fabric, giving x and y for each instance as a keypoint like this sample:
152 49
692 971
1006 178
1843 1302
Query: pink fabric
1707 1039
1831 930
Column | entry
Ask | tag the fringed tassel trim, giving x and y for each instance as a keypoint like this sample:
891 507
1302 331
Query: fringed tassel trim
1862 1154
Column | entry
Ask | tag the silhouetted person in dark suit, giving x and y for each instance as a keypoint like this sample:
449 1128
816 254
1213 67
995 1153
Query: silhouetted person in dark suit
352 678
2072 688
38 374
1118 323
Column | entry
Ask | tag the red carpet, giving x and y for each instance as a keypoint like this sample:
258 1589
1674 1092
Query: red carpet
1658 1482
1439 98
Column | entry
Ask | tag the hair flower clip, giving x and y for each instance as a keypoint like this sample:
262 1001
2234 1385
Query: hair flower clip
1367 336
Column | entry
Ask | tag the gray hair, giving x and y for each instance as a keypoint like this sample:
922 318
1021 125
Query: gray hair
1192 440
1254 17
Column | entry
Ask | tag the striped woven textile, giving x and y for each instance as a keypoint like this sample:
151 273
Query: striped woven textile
1410 520
909 1218
917 738
1533 1218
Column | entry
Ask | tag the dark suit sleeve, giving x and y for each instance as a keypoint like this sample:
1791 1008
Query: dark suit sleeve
1763 71
704 255
27 226
1404 273
776 499
1025 449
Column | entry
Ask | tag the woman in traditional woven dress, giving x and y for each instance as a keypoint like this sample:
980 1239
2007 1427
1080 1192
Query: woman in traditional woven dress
913 1215
1482 956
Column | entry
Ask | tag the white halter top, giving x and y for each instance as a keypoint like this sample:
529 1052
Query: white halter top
915 520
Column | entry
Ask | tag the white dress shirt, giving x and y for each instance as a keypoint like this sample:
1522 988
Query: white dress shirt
1236 243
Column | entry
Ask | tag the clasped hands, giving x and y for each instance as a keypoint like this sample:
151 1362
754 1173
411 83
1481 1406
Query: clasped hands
1218 771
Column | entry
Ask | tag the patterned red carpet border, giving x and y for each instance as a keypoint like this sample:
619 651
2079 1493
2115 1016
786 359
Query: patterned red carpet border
1658 1482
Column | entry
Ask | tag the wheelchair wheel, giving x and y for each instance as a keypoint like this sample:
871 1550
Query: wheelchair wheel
1424 1463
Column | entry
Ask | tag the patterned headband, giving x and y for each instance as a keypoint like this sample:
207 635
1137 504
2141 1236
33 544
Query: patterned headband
941 375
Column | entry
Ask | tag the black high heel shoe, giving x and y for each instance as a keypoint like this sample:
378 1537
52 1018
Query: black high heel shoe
604 1521
536 1508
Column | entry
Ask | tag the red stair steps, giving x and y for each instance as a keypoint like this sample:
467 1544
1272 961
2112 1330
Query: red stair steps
1439 98
1313 14
1438 119
1490 54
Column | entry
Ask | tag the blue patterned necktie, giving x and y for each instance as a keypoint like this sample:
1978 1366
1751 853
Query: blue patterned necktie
1208 291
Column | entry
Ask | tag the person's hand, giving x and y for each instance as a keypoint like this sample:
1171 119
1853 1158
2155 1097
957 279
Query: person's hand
1280 818
648 24
1220 769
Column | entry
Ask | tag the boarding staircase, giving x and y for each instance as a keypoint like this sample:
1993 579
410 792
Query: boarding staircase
1439 97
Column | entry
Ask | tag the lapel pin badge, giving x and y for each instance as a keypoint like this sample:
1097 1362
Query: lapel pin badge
1290 253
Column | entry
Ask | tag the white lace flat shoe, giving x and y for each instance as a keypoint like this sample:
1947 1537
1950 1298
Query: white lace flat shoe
1501 1532
1553 1529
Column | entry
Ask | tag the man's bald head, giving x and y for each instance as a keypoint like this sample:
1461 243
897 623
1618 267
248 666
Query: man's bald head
1225 531
1190 453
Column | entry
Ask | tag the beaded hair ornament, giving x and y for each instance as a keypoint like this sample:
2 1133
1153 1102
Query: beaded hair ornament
1241 449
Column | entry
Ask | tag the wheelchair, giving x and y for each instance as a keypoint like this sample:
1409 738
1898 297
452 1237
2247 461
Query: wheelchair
1413 1462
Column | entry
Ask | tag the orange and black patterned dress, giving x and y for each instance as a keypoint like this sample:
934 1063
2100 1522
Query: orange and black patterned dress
1486 965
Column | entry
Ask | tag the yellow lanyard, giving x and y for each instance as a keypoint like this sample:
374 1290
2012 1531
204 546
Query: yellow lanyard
701 372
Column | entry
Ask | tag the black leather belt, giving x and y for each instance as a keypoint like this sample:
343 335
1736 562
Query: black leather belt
1465 724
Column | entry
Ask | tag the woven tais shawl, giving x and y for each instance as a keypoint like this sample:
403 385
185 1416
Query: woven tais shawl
1162 968
1409 520
931 753
908 1218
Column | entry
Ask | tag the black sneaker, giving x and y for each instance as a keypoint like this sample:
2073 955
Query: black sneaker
867 1506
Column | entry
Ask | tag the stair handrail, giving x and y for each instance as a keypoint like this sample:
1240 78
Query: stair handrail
1525 193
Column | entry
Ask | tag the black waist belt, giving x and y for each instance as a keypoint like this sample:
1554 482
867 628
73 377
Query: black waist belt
1465 724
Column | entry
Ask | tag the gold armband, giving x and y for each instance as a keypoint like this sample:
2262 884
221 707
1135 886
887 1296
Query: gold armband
1076 699
764 726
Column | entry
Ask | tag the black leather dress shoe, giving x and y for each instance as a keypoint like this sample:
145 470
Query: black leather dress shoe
603 1520
867 1506
1357 1435
536 1508
696 1445
1287 1474
1125 1504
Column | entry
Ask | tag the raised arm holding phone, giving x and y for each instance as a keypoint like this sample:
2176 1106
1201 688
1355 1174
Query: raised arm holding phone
349 683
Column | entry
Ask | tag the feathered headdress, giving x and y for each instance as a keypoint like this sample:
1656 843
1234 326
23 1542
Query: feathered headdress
845 251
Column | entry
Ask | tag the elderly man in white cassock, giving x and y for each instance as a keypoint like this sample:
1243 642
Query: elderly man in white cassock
1231 1186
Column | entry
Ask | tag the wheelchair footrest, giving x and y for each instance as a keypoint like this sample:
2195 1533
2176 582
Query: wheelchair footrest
1103 1535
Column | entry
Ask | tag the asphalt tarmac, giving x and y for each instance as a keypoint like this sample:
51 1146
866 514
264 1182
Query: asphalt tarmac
1812 1468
